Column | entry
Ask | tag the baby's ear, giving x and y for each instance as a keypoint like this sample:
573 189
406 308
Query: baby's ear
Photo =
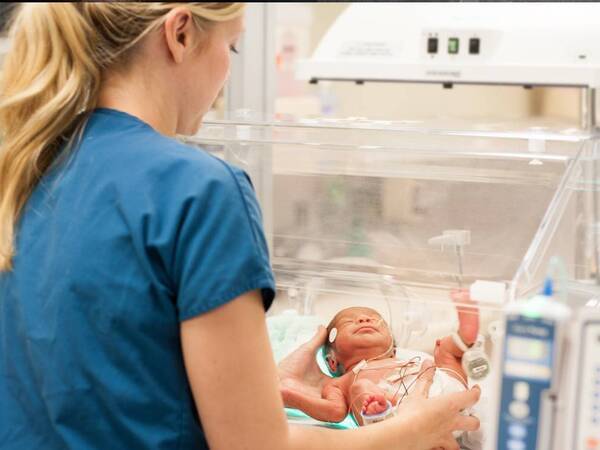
331 362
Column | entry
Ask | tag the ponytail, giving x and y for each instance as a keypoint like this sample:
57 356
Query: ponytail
49 79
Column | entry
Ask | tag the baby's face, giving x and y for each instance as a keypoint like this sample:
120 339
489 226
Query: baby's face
360 329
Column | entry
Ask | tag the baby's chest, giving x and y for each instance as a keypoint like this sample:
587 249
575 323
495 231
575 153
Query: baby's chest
376 375
390 380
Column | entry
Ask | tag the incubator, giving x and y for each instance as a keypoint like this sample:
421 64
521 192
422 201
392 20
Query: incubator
394 215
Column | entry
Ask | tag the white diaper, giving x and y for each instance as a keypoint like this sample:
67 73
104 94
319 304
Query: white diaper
444 383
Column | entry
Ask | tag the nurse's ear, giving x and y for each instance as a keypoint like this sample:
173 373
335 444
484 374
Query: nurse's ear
180 33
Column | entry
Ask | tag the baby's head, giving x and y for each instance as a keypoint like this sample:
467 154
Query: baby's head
360 333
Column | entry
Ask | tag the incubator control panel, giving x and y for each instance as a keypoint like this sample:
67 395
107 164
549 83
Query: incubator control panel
456 45
588 390
527 375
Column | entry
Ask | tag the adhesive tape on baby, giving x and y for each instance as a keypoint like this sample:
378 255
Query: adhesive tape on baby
475 362
332 335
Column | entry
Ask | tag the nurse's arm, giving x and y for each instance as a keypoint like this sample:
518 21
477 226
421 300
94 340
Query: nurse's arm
234 381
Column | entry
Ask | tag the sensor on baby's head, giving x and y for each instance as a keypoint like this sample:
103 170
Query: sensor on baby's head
332 335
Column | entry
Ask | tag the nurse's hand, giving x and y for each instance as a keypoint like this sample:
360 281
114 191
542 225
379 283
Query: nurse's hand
299 371
435 419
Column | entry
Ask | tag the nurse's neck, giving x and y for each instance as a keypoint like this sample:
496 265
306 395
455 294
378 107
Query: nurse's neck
173 75
140 96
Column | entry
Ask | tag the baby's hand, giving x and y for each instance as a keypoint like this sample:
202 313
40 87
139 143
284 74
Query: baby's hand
374 404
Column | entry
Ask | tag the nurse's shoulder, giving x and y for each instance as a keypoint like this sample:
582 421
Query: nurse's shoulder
137 155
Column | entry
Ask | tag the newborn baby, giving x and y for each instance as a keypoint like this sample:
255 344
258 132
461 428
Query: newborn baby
360 349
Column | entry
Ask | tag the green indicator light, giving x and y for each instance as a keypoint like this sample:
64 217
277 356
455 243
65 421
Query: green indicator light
453 46
532 313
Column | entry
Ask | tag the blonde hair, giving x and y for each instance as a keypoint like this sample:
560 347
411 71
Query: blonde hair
51 78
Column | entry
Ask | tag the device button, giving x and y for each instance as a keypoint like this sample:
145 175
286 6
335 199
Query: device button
518 409
432 45
453 43
474 46
513 444
521 391
517 431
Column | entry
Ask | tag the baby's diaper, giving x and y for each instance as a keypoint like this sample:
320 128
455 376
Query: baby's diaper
444 383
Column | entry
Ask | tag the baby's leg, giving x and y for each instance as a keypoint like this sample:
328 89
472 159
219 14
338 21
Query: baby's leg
447 354
468 315
368 398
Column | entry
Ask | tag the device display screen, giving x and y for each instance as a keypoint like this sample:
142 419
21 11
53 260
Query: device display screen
528 358
532 350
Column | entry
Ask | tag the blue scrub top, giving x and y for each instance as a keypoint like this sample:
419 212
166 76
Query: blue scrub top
129 235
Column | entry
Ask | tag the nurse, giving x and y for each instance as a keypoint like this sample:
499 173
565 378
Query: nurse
134 274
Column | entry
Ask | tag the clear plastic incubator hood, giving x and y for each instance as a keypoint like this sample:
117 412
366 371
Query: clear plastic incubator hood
428 207
394 216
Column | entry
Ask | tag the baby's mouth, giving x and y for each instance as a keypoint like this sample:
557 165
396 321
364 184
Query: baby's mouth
366 328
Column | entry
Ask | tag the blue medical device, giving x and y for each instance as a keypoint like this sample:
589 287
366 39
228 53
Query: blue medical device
532 346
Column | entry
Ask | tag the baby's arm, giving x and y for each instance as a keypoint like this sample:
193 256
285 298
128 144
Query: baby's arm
331 407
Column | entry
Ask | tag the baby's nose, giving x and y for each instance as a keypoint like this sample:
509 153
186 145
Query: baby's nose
364 319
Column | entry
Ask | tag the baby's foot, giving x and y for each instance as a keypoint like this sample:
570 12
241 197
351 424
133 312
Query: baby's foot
374 404
468 315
